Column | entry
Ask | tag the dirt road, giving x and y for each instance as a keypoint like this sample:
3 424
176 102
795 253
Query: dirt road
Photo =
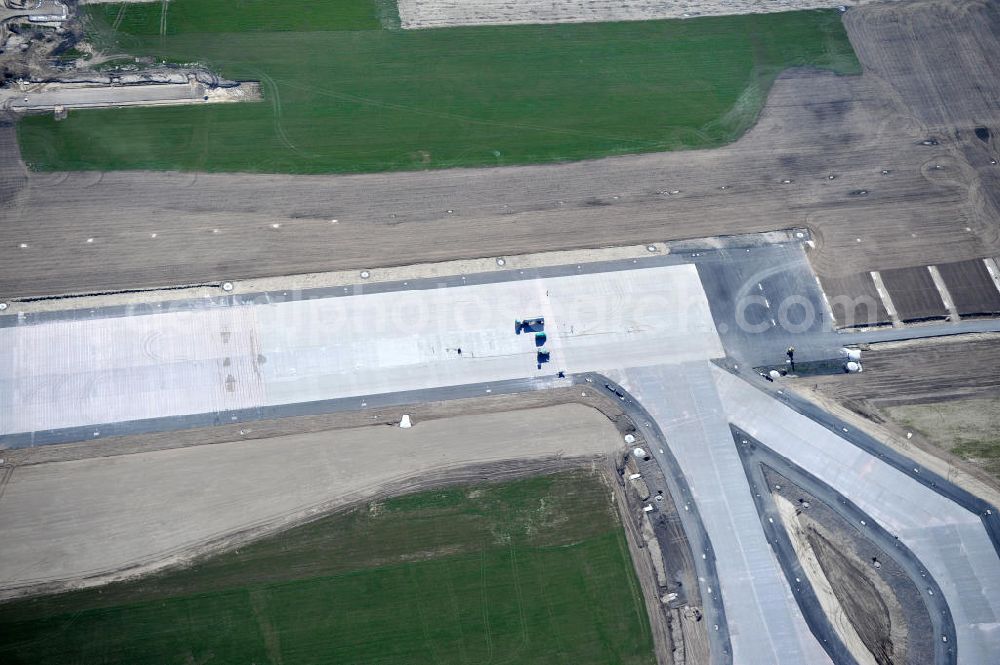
154 229
445 13
96 519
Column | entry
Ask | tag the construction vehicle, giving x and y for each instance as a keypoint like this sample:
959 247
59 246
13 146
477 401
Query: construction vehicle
529 325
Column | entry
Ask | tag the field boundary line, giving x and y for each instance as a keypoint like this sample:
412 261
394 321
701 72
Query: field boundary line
942 289
883 293
487 632
119 17
163 17
6 473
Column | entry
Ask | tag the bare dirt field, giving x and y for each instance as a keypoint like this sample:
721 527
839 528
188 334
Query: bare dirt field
955 374
855 301
445 13
88 521
827 597
675 612
971 288
924 371
878 612
968 428
939 57
914 294
815 125
267 429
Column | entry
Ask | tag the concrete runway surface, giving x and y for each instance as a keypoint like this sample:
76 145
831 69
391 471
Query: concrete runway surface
217 360
927 614
647 325
650 328
766 625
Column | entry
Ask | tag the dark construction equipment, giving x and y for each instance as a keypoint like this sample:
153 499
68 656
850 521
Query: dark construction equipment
529 325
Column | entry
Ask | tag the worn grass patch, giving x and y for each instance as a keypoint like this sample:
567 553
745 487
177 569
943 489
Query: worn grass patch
969 428
534 571
379 100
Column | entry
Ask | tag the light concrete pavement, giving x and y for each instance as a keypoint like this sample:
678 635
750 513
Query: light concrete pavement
765 623
646 324
104 370
947 538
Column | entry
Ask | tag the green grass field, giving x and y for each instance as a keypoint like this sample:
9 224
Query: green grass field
375 100
238 16
534 571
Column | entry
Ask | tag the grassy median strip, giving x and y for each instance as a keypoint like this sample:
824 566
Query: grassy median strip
533 571
382 100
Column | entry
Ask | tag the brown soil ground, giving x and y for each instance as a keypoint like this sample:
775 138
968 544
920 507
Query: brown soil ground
967 428
88 521
971 288
914 294
925 371
645 570
663 548
954 375
858 596
814 125
885 610
938 56
266 429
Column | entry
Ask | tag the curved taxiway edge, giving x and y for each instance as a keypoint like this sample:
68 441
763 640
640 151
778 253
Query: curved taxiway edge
715 613
986 511
718 633
753 454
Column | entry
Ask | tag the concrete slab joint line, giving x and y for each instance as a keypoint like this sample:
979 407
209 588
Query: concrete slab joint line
883 293
943 291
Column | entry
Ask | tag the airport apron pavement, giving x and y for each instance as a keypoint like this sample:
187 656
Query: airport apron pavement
650 325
